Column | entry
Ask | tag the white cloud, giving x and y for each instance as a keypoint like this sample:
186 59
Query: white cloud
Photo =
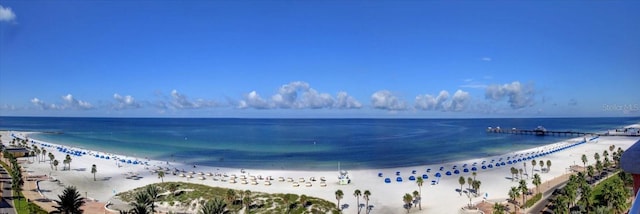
486 59
180 101
519 96
344 101
386 100
75 103
125 102
44 106
429 102
299 95
6 14
458 102
253 100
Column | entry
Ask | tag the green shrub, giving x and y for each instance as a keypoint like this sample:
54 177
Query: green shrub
533 200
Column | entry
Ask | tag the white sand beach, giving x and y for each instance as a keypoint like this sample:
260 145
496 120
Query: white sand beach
114 176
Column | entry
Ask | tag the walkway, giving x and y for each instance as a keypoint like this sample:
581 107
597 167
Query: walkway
6 205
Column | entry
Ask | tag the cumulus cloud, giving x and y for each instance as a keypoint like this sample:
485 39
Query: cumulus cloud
299 95
386 100
458 102
125 102
6 14
253 100
180 101
429 102
344 101
75 103
519 95
43 105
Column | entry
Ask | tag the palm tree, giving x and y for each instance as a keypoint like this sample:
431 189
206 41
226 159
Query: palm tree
469 181
584 160
461 182
154 193
548 165
605 153
67 160
513 194
247 200
561 205
142 202
541 165
419 181
357 194
339 195
161 175
44 152
474 175
520 170
513 170
366 196
585 196
407 198
476 186
215 206
537 181
70 201
55 163
231 196
94 169
590 171
596 156
533 164
524 189
498 208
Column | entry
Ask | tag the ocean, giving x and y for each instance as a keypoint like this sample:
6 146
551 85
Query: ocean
302 144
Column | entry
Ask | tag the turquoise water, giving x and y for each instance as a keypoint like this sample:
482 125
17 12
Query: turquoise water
311 144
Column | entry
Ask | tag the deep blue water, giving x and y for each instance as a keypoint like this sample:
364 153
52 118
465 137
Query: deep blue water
311 144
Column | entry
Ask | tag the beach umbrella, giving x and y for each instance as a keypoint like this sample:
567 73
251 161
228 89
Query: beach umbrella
429 170
399 179
456 171
387 180
448 173
380 174
413 171
441 168
484 167
412 178
438 175
474 169
465 170
398 173
425 176
502 163
490 166
464 165
455 166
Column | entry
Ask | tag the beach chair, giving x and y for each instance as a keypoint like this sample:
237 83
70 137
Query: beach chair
295 184
308 184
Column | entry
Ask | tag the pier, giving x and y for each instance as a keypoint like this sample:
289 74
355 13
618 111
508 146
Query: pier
538 131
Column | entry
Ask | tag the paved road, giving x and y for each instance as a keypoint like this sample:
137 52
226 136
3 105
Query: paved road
6 205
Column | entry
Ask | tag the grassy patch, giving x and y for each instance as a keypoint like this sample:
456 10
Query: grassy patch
533 200
187 193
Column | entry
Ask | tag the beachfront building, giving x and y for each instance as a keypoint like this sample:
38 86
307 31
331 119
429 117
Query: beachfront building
630 162
17 151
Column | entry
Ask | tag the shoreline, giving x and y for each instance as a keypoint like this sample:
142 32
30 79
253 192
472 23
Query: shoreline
385 196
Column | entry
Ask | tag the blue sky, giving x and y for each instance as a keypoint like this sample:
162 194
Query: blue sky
410 59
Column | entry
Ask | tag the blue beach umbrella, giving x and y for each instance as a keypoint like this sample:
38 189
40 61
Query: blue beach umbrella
465 170
412 178
448 173
425 176
380 174
398 173
413 171
429 170
456 172
484 167
474 169
438 175
399 179
441 168
387 180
